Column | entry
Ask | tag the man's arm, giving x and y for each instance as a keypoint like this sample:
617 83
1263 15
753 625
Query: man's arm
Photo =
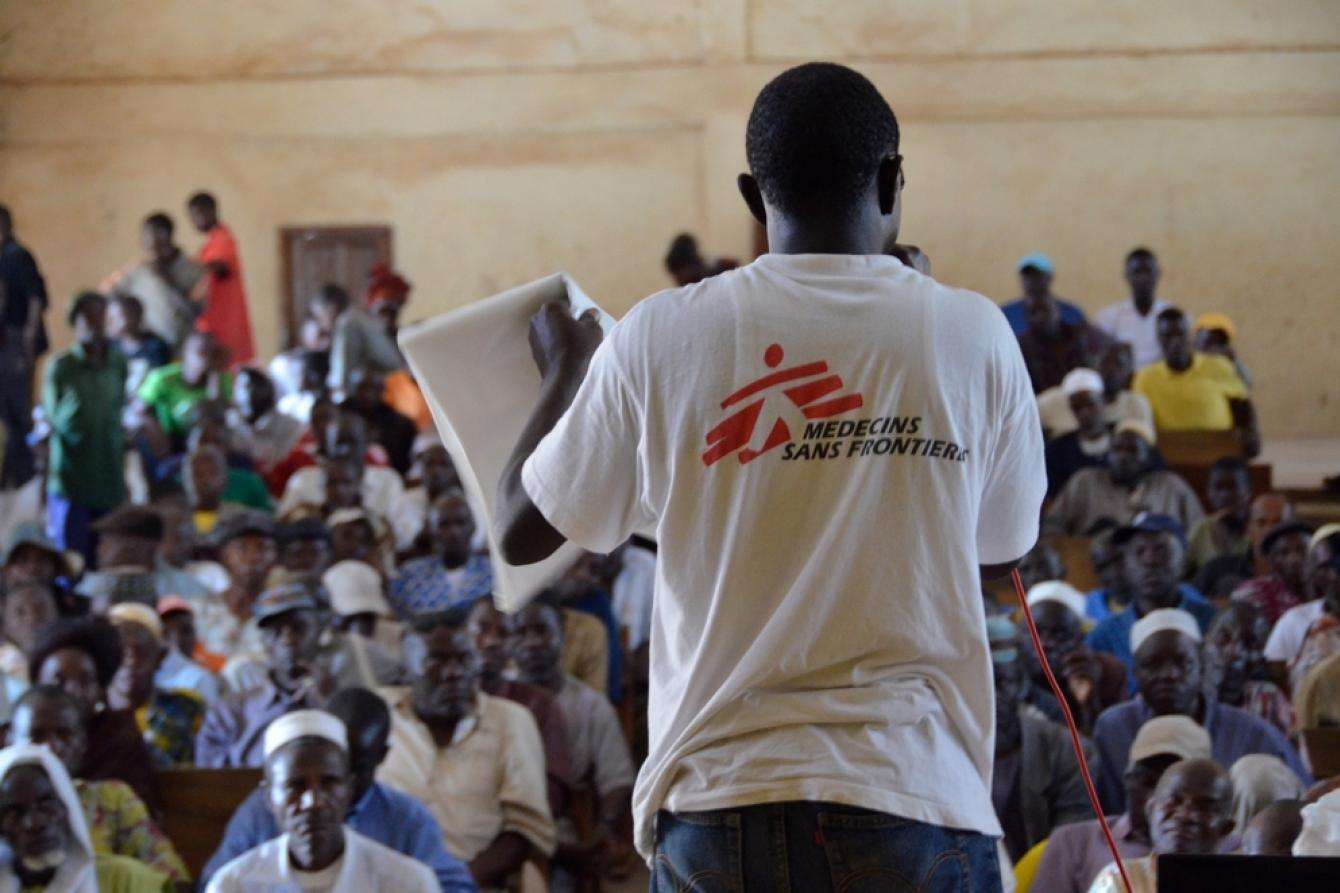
1244 425
497 861
562 347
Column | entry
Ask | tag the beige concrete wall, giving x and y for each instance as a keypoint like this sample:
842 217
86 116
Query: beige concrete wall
509 138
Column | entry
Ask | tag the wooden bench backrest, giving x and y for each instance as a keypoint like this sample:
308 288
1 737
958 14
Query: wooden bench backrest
1323 750
197 804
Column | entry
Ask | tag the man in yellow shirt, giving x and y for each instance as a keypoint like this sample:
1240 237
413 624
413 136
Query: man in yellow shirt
1191 391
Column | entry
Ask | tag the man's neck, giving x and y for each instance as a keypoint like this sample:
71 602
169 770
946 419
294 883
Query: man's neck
862 233
1169 599
455 562
443 728
239 601
1143 302
1179 364
319 862
551 681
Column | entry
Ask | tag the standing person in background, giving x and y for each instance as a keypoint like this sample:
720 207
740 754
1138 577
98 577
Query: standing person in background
286 368
686 264
820 660
23 338
166 281
225 315
82 395
144 350
358 341
1132 321
1191 391
1035 280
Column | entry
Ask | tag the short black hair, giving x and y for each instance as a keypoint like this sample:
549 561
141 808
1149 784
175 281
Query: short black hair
202 200
1169 315
159 220
130 305
83 303
332 293
1229 465
95 636
683 251
6 220
816 137
262 388
48 693
1140 252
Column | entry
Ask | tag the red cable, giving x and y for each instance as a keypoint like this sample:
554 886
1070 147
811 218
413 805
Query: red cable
1074 731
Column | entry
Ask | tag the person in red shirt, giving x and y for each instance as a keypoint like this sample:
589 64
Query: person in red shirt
225 315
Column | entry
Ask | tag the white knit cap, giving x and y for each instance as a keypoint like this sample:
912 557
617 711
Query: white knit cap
1057 591
1081 380
1161 619
1175 735
305 724
355 587
134 612
1321 828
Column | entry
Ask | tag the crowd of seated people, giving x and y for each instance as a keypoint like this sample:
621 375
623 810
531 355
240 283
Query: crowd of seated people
216 562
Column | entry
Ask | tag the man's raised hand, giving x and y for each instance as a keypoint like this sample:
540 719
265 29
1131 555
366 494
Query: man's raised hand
561 344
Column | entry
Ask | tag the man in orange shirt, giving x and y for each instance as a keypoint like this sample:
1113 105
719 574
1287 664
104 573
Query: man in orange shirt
225 315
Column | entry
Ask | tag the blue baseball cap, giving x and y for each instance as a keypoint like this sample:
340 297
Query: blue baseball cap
1037 260
1148 522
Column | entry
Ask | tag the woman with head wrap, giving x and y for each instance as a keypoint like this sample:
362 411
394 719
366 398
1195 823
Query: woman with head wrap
1259 780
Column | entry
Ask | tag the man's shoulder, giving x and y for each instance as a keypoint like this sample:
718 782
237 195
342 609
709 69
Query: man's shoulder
504 713
259 858
392 869
1246 723
405 805
1117 715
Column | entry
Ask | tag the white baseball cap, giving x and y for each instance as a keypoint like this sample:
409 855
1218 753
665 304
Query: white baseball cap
355 587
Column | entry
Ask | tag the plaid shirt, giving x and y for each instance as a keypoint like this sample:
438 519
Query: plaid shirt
424 586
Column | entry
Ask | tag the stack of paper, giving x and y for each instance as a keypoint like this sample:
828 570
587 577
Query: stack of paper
475 367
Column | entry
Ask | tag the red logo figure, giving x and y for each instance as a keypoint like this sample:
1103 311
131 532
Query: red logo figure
813 385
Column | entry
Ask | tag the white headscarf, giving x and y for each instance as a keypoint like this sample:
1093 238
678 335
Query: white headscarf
1321 828
78 873
1259 780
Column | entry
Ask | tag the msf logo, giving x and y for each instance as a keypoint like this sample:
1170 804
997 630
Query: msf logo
801 391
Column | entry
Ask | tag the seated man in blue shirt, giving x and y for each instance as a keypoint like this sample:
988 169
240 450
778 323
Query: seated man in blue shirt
1167 647
1153 553
1035 280
381 813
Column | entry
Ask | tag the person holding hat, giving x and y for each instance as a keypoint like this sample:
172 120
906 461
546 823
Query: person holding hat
82 395
1153 552
283 671
370 638
1087 445
1035 271
1167 646
169 719
1092 681
1077 852
1285 551
1322 589
118 821
1133 320
1190 813
1191 391
1129 483
376 811
310 790
43 826
1050 345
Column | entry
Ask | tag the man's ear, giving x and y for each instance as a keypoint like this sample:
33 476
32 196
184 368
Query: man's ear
753 197
888 182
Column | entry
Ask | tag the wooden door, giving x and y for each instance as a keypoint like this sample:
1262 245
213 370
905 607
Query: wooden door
315 255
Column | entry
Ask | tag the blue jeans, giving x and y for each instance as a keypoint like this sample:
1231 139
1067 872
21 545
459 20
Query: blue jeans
814 847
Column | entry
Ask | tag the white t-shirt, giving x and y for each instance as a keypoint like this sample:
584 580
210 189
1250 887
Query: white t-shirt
1124 323
817 629
1286 639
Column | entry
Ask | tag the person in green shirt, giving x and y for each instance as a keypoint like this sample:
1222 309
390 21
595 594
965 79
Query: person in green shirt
210 485
82 392
172 394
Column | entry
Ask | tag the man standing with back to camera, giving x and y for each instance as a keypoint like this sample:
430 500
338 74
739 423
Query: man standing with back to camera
827 445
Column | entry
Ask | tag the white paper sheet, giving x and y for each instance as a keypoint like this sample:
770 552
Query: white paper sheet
475 368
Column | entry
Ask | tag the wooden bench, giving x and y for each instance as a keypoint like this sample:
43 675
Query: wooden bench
1323 750
197 804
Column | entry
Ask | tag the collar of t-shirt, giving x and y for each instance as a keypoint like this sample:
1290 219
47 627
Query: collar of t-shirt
318 880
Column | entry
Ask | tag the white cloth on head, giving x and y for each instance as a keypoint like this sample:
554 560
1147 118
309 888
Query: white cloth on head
1057 591
355 587
134 612
1175 734
1259 780
305 724
78 873
818 631
1321 828
1161 619
1080 381
365 866
382 492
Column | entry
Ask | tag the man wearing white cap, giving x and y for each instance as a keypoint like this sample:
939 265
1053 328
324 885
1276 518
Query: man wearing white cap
1166 645
1087 445
1075 853
1126 486
1092 681
310 788
371 638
